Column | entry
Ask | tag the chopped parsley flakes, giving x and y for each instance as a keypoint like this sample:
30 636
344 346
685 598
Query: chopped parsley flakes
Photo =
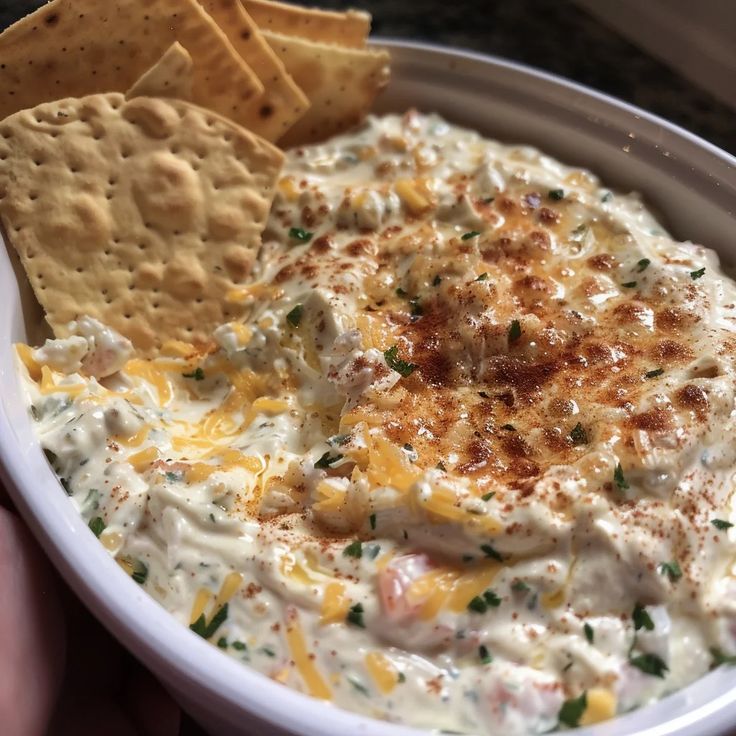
641 619
629 285
720 658
572 710
471 234
397 364
653 374
437 280
97 525
671 570
355 615
556 194
483 277
721 524
489 551
484 655
207 630
294 317
649 664
578 435
488 496
354 549
694 275
642 265
372 520
619 479
197 374
140 572
481 603
514 330
297 233
326 460
589 633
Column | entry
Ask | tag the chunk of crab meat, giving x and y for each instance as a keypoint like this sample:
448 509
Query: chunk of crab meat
394 582
411 629
520 701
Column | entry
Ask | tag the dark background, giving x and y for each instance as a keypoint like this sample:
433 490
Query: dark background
554 35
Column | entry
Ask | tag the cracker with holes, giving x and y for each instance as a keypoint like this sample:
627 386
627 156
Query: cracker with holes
282 102
170 76
72 48
341 84
349 29
143 213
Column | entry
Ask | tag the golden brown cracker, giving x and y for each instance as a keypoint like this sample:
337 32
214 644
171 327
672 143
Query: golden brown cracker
341 84
170 76
350 28
73 48
282 102
142 213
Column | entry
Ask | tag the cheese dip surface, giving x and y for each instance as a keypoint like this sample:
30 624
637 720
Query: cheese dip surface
466 466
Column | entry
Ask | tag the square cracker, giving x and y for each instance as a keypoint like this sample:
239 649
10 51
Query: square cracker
142 213
350 28
73 48
170 76
341 84
282 102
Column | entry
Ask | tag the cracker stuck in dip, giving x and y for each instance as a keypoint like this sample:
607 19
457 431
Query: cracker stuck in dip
465 462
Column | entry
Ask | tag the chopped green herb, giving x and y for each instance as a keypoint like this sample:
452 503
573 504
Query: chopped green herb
650 664
294 317
372 520
197 374
694 275
484 654
358 685
355 615
589 633
556 194
222 642
477 605
354 549
721 524
653 374
487 200
34 413
212 518
239 645
207 630
268 651
372 551
441 466
579 231
483 277
619 479
671 570
303 236
402 677
578 435
720 658
519 586
489 551
629 285
401 292
572 711
514 331
397 364
491 599
173 477
97 525
326 460
509 427
416 307
140 572
92 499
641 619
471 234
642 265
607 197
437 280
488 496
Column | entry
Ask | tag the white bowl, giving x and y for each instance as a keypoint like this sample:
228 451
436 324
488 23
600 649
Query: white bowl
691 183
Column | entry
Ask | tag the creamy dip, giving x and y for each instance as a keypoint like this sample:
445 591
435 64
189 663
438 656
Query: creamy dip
468 464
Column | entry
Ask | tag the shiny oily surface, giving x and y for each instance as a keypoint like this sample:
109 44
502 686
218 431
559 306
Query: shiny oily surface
460 468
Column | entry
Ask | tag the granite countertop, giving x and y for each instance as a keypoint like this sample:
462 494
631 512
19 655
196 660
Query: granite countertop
553 35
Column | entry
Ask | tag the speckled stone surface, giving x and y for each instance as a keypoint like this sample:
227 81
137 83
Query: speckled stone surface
553 35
